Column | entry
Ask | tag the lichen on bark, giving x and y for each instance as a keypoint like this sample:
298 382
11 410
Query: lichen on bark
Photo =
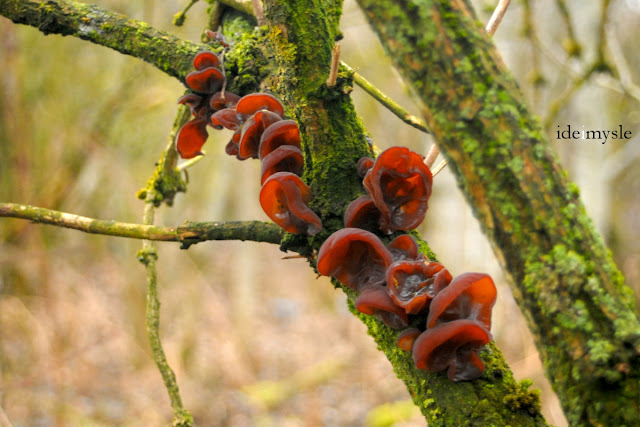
560 271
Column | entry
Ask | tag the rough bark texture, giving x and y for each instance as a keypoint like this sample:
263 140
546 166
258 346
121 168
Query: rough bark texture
562 275
301 36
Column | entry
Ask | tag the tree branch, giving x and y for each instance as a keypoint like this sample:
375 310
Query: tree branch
103 27
188 233
561 273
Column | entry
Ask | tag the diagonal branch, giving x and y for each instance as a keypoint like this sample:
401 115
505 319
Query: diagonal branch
103 27
188 233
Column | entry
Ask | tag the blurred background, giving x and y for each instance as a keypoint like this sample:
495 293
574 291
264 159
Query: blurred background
254 339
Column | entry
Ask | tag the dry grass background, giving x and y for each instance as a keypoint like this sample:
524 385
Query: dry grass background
254 339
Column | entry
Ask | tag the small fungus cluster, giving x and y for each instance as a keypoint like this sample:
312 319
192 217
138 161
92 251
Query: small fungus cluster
393 281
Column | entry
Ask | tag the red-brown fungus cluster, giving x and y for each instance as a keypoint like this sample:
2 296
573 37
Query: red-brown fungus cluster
398 184
259 132
400 286
450 317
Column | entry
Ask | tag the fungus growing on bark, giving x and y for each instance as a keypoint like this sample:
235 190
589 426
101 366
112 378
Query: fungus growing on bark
207 80
403 247
284 132
286 158
191 138
468 296
453 346
400 185
221 100
407 337
226 118
355 257
284 198
252 131
255 102
364 164
362 213
412 284
205 59
375 300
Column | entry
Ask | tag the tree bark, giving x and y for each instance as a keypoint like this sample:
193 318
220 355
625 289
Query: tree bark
301 36
562 275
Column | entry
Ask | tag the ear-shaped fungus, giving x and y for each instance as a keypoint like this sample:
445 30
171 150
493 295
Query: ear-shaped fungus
226 118
357 258
407 337
468 296
453 346
193 100
284 132
286 158
403 247
362 213
284 199
221 100
400 185
207 80
252 130
255 102
191 138
205 59
364 164
375 300
412 284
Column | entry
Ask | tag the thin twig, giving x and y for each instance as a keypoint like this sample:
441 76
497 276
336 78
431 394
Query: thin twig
572 46
179 18
335 64
188 233
496 18
391 105
430 159
258 11
438 168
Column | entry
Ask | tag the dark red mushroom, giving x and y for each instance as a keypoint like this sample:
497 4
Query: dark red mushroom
284 198
407 337
453 346
375 300
286 158
400 185
207 80
253 129
255 102
226 118
284 132
364 164
355 257
191 138
468 296
412 284
403 247
221 100
194 102
362 213
205 60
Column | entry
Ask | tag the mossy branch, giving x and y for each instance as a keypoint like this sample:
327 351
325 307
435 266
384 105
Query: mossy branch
103 27
188 234
562 275
333 140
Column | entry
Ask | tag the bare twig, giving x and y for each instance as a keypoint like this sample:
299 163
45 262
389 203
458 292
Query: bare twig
430 159
391 105
496 18
335 64
258 11
438 168
188 233
179 18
